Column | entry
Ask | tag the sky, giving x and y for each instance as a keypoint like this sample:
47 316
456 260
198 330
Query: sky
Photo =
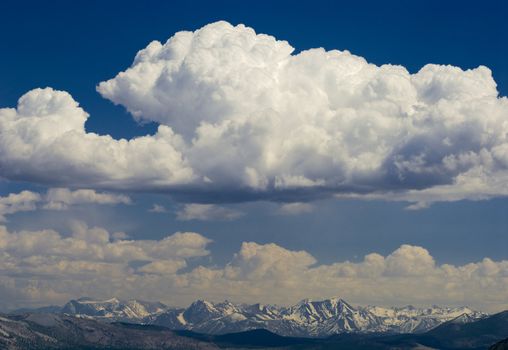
239 151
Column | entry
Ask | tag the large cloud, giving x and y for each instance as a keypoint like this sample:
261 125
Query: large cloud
243 117
42 267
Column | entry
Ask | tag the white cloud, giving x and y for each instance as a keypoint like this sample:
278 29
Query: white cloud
46 267
243 118
56 199
269 261
196 211
295 208
418 205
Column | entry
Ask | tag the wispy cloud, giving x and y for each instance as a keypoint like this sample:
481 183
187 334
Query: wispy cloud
207 212
296 208
157 208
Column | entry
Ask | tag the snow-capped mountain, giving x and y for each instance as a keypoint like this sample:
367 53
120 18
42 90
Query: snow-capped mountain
308 318
34 331
409 319
114 309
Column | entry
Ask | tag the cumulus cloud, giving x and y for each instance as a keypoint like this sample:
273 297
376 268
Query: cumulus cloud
206 212
261 262
242 117
47 267
56 199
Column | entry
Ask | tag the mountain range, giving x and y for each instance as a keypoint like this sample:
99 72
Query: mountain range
306 319
38 331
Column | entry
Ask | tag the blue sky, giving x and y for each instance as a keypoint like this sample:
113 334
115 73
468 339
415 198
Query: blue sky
75 46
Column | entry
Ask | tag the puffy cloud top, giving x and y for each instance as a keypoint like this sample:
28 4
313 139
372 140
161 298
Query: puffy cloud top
242 115
255 261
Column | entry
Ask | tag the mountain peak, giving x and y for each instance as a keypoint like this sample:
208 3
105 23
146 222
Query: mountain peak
202 303
464 318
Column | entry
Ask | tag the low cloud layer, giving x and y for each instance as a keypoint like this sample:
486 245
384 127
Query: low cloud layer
242 117
42 267
56 199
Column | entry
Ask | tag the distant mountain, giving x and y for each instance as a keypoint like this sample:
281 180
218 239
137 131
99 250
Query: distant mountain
480 334
308 318
114 309
59 331
409 319
40 310
456 334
